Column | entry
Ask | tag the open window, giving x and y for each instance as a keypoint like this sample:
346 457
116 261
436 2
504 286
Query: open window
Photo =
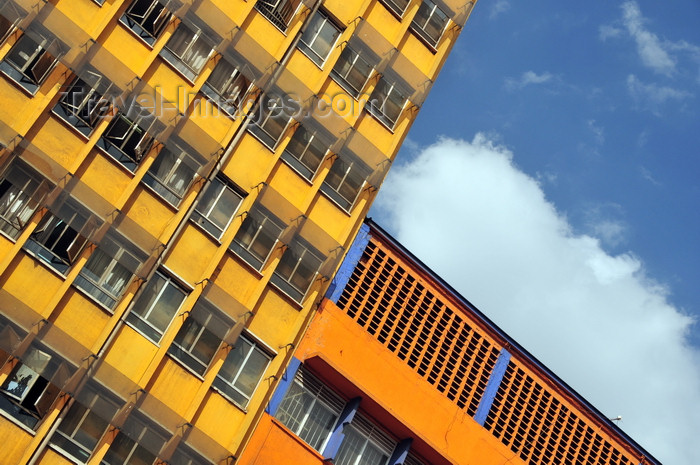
242 370
217 207
429 23
32 58
190 46
109 269
306 150
279 12
87 420
156 307
226 86
21 192
11 15
85 101
271 119
173 171
319 37
310 410
147 18
200 336
62 233
33 385
130 136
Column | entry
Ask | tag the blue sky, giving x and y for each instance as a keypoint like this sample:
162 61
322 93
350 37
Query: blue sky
552 178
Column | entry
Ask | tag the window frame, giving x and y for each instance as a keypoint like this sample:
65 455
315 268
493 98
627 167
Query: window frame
22 74
172 165
421 31
160 22
303 255
270 108
342 78
394 8
94 102
139 319
141 148
297 161
12 24
310 37
227 387
176 59
344 174
378 111
16 204
229 95
243 250
146 426
370 434
203 219
279 12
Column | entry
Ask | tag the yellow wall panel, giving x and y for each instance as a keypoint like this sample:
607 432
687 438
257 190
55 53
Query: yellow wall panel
81 318
14 441
106 176
23 274
250 163
215 408
275 321
149 211
60 143
239 280
131 353
191 254
175 386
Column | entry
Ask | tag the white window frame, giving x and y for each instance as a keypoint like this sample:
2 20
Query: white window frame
369 434
217 191
139 315
345 173
310 37
176 174
421 30
23 73
299 254
17 203
342 78
259 220
229 94
298 160
376 105
270 109
228 386
395 8
136 23
187 65
145 140
82 106
299 418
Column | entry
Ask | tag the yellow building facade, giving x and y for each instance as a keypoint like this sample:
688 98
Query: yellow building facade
179 179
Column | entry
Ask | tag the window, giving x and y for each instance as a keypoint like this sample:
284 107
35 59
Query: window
279 12
128 138
226 87
216 207
345 181
87 420
318 39
156 307
396 6
147 18
200 336
62 234
297 269
82 105
310 410
386 103
257 237
31 59
138 443
352 71
11 16
364 444
241 371
109 270
21 191
172 173
183 455
305 152
33 385
187 50
429 22
271 119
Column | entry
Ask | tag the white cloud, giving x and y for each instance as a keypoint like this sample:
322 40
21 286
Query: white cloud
528 78
651 49
605 32
653 95
594 318
499 7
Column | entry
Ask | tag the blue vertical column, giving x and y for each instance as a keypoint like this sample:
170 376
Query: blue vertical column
352 258
283 386
499 370
345 418
398 457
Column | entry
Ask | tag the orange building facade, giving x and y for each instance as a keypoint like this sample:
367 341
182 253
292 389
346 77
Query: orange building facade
398 368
